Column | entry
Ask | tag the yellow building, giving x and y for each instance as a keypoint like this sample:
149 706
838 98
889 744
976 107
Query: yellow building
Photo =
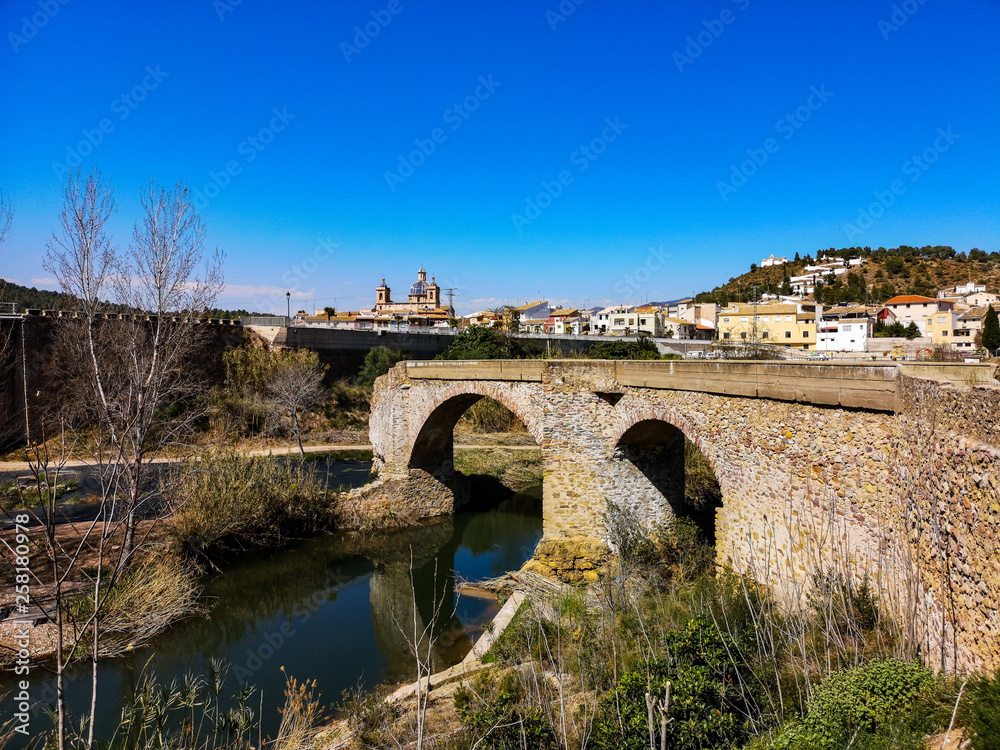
775 325
941 327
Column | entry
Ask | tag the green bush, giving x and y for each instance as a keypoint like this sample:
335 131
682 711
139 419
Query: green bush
708 699
863 702
982 712
494 711
348 406
480 342
378 362
641 349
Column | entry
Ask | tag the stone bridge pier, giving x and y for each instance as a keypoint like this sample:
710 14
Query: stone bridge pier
875 470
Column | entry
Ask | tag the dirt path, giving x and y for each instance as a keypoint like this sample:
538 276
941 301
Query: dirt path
12 467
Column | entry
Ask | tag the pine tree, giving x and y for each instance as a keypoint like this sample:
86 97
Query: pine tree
991 329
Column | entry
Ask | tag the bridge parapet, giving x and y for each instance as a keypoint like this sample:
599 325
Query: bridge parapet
872 386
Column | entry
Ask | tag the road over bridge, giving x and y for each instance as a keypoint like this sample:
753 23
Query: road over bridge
885 469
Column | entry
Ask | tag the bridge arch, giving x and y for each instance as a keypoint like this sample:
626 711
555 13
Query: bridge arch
431 451
433 427
646 452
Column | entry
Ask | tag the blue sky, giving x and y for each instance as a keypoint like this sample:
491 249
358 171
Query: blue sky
593 151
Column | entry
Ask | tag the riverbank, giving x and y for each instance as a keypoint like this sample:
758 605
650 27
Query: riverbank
218 523
702 657
326 609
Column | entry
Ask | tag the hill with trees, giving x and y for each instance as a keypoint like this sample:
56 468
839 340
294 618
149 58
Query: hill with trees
29 298
887 272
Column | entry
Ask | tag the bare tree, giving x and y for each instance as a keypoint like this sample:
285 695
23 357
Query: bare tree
121 369
133 364
8 328
6 215
295 386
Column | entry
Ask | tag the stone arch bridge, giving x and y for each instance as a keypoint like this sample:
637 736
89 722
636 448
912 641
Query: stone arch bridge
884 469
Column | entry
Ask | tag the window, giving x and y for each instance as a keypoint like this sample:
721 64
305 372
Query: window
642 321
743 319
940 320
788 318
788 334
765 335
725 335
805 334
847 328
765 319
944 332
743 335
725 320
619 321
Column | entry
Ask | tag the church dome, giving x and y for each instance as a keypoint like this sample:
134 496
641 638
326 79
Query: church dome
419 287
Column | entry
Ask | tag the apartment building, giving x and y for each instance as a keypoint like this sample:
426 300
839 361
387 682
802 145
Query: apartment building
776 324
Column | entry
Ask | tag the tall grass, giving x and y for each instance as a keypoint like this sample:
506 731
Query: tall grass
225 502
487 415
743 664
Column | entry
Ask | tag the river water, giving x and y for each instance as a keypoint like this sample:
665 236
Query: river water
326 609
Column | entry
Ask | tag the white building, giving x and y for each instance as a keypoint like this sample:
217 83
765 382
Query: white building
532 316
601 321
849 331
981 299
772 261
961 291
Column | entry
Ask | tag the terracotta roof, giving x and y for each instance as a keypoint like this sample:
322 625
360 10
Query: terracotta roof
977 312
911 298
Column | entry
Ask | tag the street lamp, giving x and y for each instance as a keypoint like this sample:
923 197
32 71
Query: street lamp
288 301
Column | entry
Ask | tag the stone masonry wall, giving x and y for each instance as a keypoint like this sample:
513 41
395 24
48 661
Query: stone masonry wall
911 504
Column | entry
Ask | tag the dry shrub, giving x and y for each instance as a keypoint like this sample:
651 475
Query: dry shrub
487 415
301 716
227 501
149 598
143 602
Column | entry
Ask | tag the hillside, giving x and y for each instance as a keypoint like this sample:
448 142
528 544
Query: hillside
30 298
886 273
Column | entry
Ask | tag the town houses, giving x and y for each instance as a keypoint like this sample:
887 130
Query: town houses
952 320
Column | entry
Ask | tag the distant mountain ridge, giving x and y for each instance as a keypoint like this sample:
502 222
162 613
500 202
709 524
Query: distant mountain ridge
29 298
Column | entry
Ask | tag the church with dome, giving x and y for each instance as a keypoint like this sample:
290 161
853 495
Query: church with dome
422 307
422 296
